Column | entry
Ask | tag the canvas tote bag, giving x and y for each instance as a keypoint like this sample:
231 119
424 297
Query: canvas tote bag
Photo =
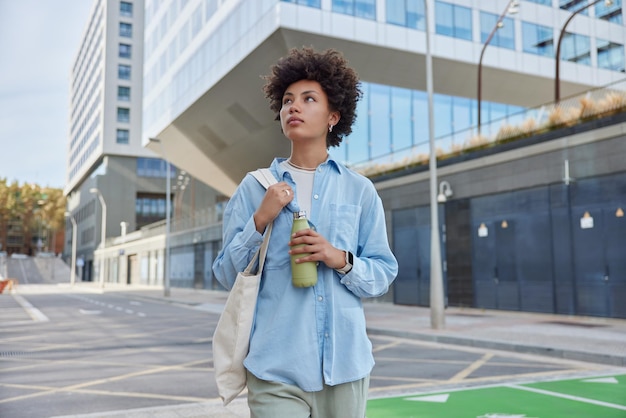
231 339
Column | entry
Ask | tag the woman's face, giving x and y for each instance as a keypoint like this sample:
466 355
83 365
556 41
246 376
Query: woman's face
305 114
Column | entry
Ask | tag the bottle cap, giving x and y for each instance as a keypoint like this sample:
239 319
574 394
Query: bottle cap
299 215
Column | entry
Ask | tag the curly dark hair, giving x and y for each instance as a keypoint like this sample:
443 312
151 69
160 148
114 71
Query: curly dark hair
329 68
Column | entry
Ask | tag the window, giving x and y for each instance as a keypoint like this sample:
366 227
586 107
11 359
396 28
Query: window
123 72
409 13
574 5
124 51
610 55
126 9
453 20
612 13
504 36
537 39
576 48
358 8
126 30
210 7
544 2
309 3
196 21
123 93
149 208
123 136
123 114
154 167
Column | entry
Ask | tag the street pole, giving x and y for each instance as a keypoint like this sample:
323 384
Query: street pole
73 261
102 232
511 8
437 319
168 188
557 81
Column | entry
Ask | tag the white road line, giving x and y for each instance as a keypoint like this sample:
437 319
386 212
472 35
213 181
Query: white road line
34 313
570 397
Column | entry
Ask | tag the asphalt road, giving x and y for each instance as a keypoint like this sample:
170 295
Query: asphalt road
90 352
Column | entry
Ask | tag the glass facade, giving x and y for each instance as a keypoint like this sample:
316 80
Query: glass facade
408 13
395 120
453 20
390 118
154 167
537 39
610 55
309 3
359 8
576 48
504 36
612 13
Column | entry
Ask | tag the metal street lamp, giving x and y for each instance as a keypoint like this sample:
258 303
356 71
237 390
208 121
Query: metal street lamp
73 261
557 81
511 8
168 187
437 319
103 232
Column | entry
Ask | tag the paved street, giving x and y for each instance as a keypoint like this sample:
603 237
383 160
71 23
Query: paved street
71 351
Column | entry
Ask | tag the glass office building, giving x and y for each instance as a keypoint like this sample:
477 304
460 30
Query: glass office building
516 227
202 57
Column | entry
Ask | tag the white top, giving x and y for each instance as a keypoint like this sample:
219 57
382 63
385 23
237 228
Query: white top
304 186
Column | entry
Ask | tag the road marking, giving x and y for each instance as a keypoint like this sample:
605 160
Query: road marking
89 312
569 397
443 398
472 367
602 380
34 313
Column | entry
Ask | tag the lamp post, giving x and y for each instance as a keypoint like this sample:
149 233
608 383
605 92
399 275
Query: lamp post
102 232
437 320
73 261
557 81
168 187
511 8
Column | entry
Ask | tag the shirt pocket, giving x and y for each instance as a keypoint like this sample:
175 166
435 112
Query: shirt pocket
344 226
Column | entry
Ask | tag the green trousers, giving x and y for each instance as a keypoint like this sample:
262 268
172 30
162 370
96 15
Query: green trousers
279 400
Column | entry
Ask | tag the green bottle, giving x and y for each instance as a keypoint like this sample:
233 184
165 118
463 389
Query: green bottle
302 274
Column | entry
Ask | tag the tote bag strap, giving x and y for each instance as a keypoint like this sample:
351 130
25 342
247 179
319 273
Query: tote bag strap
266 178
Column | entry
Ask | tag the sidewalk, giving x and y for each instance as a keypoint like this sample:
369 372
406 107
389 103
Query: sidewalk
589 339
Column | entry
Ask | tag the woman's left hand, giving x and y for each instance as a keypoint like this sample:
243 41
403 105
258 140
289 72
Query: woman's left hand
318 247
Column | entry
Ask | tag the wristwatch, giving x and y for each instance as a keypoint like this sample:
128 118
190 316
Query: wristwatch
349 261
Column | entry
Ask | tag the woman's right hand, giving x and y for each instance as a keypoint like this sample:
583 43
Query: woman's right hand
276 198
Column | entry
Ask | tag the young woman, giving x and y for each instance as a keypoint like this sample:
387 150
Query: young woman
309 352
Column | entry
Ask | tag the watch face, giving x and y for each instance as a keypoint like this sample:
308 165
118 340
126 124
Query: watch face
350 258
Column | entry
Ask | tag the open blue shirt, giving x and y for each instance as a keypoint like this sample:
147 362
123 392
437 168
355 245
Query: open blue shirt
310 336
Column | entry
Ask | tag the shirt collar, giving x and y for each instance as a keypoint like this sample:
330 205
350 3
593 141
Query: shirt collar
278 169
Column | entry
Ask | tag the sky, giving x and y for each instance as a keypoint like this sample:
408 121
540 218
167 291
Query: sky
39 40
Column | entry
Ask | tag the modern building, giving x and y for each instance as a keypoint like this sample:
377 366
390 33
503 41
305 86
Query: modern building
512 235
114 184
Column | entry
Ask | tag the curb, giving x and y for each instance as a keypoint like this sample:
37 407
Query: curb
607 359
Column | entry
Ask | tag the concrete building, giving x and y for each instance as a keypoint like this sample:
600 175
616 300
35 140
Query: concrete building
106 159
203 101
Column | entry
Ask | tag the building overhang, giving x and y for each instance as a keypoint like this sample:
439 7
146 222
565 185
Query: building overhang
229 130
